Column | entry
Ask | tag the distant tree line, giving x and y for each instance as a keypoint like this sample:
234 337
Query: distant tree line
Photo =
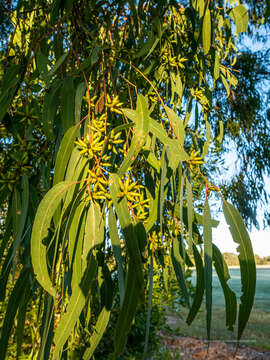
232 259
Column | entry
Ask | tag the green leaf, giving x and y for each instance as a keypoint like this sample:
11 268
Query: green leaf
67 103
164 169
177 124
149 305
206 31
148 46
75 306
208 255
58 63
42 62
178 265
221 132
116 246
143 119
94 230
98 331
189 212
127 312
226 85
156 129
230 297
131 156
216 66
21 215
21 319
80 91
122 211
198 297
49 110
42 222
239 15
9 84
63 155
208 136
11 310
140 133
75 243
247 263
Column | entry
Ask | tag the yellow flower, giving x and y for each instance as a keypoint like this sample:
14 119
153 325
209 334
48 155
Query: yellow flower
114 104
90 145
113 141
194 160
129 189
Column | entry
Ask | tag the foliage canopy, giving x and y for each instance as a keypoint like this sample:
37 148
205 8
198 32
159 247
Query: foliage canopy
105 111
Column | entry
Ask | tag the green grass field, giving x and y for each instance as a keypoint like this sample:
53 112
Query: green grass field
257 332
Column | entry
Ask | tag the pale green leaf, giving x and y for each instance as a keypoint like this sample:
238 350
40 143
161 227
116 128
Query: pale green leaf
41 226
206 31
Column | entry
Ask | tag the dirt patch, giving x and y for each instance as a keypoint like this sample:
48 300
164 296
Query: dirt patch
191 348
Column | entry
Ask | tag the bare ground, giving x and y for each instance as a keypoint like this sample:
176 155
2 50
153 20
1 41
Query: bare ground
192 348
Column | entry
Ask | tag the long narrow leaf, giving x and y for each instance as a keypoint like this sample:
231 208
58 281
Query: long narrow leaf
12 307
208 255
117 253
247 263
101 326
198 298
230 297
178 265
149 305
74 308
42 222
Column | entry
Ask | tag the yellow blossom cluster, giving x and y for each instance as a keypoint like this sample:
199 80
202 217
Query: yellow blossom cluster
194 160
135 196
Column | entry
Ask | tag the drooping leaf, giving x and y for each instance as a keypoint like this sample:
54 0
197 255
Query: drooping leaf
208 255
117 253
177 124
75 306
140 133
101 326
94 230
230 297
68 103
122 211
208 135
149 305
21 214
247 263
189 212
42 222
80 91
206 31
12 307
198 297
49 110
63 155
164 162
58 63
178 265
9 84
127 312
216 66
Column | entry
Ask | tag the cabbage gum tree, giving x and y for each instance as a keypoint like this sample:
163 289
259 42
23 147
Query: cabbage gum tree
106 146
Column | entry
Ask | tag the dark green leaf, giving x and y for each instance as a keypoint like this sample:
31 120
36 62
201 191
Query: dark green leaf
208 255
247 263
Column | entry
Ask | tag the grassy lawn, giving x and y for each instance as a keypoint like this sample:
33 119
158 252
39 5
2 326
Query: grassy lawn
257 332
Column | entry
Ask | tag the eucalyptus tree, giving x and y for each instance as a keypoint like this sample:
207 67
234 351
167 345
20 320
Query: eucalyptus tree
104 111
